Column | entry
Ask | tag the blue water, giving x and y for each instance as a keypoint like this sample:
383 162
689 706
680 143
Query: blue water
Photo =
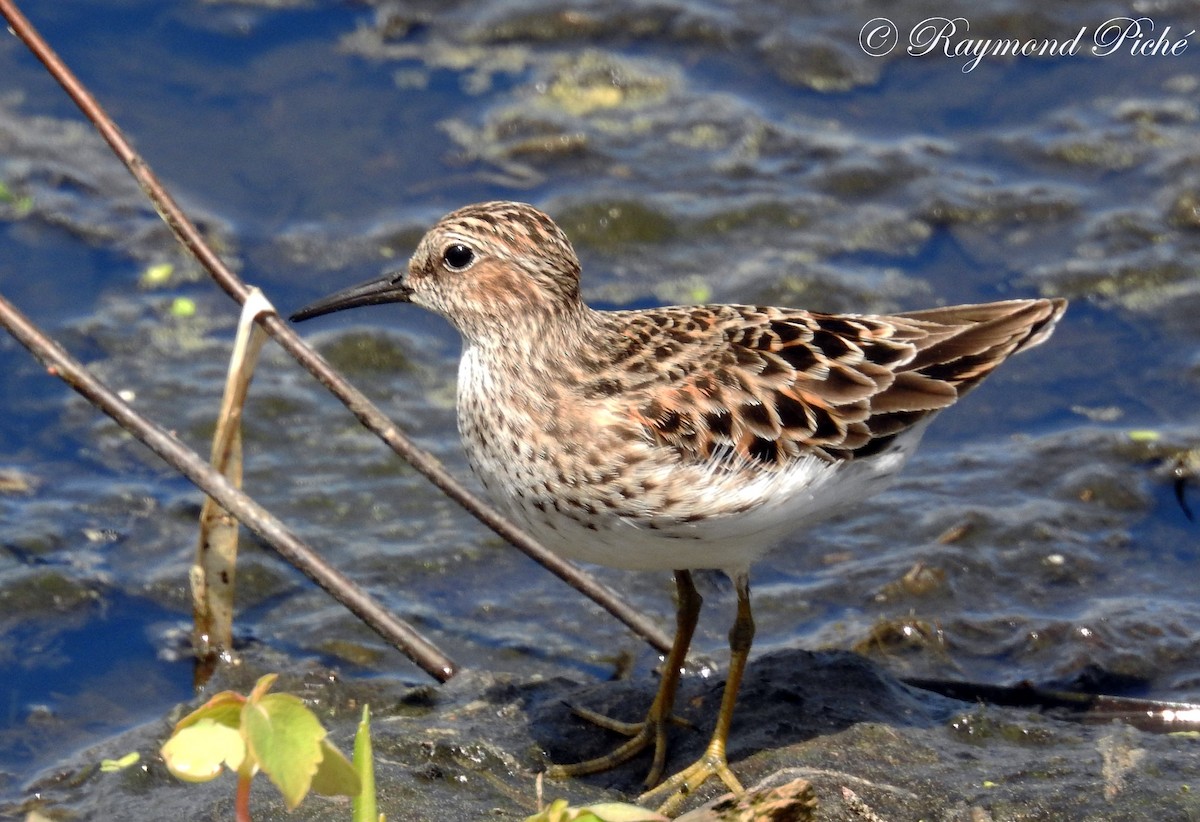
92 673
263 122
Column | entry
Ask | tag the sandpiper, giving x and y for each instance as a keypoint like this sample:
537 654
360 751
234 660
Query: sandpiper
678 438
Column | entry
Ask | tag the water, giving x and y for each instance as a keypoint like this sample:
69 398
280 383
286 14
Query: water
315 154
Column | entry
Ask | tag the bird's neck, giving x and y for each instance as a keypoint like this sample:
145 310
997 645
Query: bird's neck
537 337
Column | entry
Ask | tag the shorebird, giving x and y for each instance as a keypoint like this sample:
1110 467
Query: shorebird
678 438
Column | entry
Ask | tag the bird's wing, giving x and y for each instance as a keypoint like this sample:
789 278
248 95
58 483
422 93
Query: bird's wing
774 385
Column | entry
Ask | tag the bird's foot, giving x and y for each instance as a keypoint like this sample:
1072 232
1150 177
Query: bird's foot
652 730
685 783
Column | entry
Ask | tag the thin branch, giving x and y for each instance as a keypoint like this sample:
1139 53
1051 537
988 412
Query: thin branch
351 397
187 462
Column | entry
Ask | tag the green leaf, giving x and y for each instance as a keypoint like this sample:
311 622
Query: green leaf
157 275
183 307
621 812
264 684
113 765
560 811
335 775
364 764
197 752
224 708
22 204
555 813
284 737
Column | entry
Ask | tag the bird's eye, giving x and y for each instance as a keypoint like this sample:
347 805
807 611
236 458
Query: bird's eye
458 256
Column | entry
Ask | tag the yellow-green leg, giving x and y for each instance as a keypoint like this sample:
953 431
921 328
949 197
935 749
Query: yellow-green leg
654 728
713 762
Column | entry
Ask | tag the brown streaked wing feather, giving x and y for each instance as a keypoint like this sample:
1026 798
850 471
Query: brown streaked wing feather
774 384
770 384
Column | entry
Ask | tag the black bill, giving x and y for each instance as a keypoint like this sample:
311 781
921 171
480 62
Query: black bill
387 289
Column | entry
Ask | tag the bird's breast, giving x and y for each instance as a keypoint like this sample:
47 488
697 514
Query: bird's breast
592 488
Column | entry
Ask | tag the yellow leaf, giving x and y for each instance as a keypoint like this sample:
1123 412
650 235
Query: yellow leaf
111 765
197 752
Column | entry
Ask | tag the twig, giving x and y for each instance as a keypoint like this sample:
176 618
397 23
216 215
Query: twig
1154 716
187 462
215 568
817 774
351 397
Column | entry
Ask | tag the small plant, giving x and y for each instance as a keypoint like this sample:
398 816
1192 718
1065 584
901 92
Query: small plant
272 733
560 811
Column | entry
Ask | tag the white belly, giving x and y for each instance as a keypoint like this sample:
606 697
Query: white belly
780 505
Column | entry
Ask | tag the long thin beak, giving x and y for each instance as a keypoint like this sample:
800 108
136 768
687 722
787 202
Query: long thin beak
389 288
